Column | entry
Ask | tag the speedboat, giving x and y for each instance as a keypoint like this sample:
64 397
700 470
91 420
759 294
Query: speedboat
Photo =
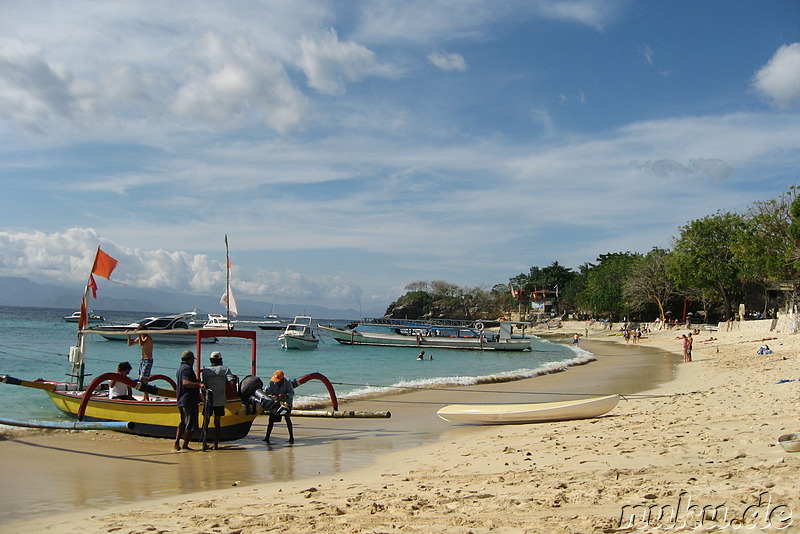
92 317
166 329
270 324
299 335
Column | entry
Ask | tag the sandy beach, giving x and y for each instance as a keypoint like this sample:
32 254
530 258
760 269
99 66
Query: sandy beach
693 447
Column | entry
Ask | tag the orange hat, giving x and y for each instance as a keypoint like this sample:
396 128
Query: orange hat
278 376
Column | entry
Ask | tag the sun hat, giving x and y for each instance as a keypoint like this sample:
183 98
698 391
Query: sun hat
187 356
278 376
215 357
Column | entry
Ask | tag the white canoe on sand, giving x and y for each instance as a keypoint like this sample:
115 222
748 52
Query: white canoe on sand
504 414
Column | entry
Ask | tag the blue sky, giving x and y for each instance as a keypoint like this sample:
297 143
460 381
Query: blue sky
348 148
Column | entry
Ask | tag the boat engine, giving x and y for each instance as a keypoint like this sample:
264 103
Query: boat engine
251 393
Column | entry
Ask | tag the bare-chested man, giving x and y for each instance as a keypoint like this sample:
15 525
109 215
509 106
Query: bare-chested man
146 363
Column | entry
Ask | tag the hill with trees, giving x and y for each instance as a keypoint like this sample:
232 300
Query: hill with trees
721 266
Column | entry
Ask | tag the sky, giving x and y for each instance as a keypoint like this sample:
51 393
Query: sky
348 148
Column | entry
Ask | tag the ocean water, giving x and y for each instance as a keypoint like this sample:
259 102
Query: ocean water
34 343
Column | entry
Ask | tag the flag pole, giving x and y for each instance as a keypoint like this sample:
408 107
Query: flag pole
79 356
227 282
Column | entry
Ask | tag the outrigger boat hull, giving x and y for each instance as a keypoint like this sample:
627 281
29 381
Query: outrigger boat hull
158 419
499 414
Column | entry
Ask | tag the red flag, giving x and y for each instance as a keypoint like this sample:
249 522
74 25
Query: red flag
104 264
93 286
84 318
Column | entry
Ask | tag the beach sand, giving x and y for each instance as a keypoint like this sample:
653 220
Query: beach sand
706 438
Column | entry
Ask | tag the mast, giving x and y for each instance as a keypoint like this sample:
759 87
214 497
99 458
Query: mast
227 283
103 265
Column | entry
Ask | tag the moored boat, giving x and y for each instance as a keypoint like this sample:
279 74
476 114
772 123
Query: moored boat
166 329
299 334
159 416
499 414
417 334
91 317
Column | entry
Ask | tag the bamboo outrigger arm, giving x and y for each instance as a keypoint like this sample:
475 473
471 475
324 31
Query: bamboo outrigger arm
71 425
87 395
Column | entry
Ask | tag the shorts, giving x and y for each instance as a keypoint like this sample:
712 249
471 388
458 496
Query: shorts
145 366
188 417
277 418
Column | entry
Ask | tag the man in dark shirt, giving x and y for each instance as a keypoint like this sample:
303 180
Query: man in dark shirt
188 394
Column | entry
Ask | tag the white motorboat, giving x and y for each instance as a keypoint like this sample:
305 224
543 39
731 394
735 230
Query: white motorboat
270 324
92 317
166 329
540 412
299 335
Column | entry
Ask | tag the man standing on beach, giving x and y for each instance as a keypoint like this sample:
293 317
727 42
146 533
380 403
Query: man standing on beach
146 363
188 394
282 391
216 380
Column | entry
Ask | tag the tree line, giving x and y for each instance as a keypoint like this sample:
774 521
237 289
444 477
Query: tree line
715 265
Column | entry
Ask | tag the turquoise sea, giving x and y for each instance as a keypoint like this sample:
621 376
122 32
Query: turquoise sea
34 343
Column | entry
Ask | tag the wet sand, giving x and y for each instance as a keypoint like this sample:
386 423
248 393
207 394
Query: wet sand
55 472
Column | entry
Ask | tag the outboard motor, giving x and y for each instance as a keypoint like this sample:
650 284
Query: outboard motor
268 403
251 392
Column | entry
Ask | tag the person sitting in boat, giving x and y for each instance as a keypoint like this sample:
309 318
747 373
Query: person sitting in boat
216 379
117 389
282 391
146 363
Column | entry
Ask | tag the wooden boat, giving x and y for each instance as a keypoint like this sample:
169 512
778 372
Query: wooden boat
425 335
499 414
299 335
159 416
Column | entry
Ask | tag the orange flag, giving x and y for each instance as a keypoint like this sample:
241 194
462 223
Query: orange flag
104 264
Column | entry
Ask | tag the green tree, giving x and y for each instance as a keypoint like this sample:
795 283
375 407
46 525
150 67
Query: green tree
604 282
648 282
703 258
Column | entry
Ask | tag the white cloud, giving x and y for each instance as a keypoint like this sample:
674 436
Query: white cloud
235 80
329 63
67 257
648 53
448 62
779 79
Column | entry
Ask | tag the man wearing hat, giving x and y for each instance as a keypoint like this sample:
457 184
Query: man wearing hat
188 394
216 378
281 390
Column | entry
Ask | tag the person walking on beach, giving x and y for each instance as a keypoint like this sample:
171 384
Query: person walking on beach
216 380
188 394
575 339
282 391
689 341
146 363
120 390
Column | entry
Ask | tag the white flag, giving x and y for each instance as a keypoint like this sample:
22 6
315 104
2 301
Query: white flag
229 302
